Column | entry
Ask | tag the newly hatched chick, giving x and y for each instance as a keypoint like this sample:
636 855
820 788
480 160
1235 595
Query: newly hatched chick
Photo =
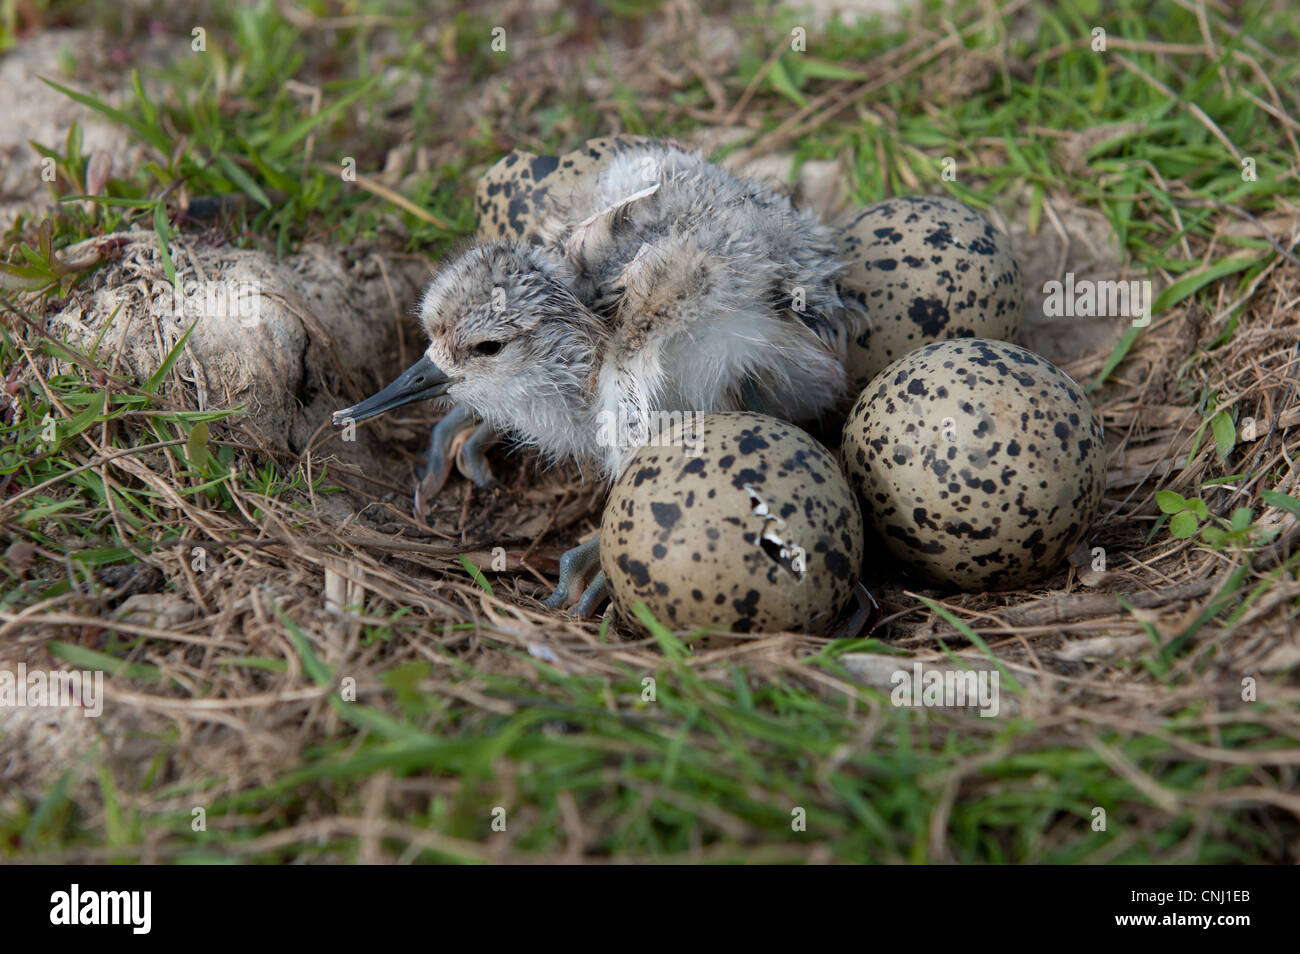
668 285
707 283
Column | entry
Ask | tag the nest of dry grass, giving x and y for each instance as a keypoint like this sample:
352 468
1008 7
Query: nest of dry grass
344 572
336 570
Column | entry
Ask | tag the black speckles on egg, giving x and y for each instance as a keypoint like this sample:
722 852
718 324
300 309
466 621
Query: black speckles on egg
690 539
635 570
666 514
514 195
751 441
924 268
1012 492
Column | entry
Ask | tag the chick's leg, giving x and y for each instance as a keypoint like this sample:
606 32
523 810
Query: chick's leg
438 458
575 567
457 438
577 564
595 594
472 459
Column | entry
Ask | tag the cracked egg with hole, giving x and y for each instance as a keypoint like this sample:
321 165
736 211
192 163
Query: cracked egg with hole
735 522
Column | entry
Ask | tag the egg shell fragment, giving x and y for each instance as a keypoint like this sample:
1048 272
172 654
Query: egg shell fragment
745 525
925 268
978 462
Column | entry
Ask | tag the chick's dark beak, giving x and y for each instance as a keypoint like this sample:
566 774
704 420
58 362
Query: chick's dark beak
419 382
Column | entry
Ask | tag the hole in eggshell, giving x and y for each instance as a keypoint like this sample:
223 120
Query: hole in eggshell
790 556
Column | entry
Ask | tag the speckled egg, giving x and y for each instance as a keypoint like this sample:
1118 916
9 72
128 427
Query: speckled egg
744 523
978 462
925 268
512 196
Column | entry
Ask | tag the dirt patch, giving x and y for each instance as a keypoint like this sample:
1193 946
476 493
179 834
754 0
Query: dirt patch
46 115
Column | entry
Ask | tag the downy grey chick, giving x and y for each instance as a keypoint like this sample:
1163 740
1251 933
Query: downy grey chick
668 285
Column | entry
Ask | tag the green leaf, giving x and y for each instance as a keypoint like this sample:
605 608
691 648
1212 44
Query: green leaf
1171 296
24 278
1191 284
316 670
196 446
1117 354
56 797
1170 502
1036 207
93 659
1198 507
1196 440
407 676
243 180
476 574
1282 501
1215 536
36 514
150 111
276 179
1183 525
1225 434
156 378
45 242
669 644
976 640
286 140
405 681
256 662
114 825
162 228
1225 479
72 144
93 414
784 85
150 134
823 69
1241 518
111 200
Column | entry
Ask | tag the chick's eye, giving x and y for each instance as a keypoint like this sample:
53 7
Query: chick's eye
487 347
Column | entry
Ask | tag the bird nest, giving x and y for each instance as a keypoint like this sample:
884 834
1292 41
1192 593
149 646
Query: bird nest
299 569
341 557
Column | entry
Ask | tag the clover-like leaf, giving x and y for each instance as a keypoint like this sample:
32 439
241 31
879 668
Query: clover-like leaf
1170 502
1183 524
1214 536
196 446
